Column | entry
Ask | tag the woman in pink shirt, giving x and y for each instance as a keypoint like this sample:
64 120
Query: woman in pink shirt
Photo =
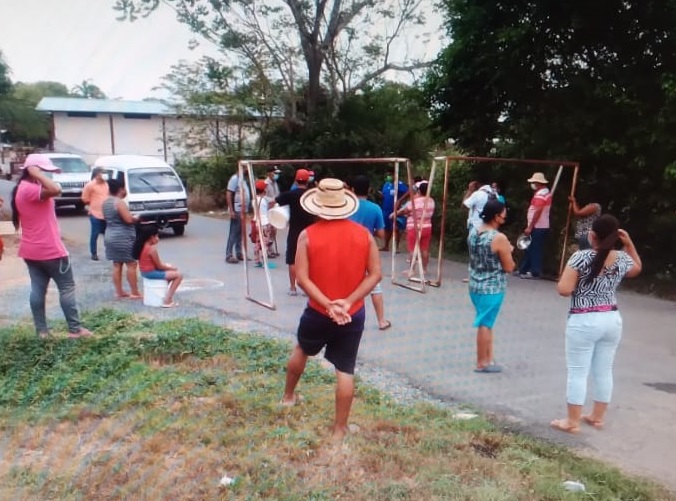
41 246
423 206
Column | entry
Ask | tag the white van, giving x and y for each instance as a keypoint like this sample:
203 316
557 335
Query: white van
155 193
74 175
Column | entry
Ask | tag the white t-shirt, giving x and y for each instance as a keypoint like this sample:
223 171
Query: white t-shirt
263 206
475 203
271 188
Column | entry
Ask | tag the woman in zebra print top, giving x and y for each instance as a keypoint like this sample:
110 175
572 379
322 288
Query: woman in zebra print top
594 326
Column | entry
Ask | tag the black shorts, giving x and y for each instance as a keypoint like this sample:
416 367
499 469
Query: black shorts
291 245
342 341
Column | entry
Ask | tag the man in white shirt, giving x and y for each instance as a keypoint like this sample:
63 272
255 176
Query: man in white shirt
475 202
475 199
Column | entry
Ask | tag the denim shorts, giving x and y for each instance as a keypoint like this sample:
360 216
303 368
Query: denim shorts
154 275
487 308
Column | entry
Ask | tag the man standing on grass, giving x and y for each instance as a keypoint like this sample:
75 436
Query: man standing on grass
337 264
94 194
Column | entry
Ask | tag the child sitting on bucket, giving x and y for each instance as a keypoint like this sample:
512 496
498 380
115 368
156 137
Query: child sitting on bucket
152 267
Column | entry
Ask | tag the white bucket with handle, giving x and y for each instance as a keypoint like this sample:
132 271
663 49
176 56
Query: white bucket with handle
279 216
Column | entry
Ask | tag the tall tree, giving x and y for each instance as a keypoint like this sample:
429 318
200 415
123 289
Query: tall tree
224 111
18 117
88 90
386 121
33 92
594 82
344 44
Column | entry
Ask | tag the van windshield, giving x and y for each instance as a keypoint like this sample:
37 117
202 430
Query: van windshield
70 164
153 180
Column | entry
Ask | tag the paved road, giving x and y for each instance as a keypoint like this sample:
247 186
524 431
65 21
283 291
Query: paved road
432 342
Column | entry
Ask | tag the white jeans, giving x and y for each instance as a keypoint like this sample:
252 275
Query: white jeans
591 342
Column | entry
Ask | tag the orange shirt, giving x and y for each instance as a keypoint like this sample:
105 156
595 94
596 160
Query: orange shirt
145 263
338 255
94 194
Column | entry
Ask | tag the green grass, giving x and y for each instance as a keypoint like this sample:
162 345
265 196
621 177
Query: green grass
162 410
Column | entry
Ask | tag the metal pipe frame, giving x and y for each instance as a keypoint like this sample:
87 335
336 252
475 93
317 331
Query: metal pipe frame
528 161
249 165
416 258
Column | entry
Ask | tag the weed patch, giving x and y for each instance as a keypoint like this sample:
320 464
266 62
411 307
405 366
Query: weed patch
163 410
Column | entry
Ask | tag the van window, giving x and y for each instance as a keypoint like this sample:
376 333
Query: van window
153 180
70 164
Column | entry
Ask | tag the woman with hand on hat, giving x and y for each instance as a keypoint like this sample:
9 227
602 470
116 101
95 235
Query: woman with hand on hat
594 326
41 246
490 260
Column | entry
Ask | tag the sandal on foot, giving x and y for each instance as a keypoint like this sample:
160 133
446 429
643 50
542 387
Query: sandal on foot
563 425
596 423
81 333
387 325
135 296
173 304
124 295
489 369
297 399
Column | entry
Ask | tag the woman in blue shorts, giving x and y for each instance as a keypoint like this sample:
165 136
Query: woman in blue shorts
490 260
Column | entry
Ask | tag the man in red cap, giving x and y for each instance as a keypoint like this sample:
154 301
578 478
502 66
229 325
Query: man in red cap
298 221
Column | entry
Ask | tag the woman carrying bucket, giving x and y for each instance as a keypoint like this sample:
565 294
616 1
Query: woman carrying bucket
152 267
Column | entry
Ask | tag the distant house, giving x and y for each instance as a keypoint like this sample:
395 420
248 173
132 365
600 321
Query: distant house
96 127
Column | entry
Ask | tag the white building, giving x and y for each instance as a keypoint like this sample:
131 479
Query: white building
95 127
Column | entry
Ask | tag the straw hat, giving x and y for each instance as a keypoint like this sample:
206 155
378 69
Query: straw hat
330 200
538 177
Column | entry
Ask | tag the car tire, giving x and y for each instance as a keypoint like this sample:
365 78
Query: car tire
179 229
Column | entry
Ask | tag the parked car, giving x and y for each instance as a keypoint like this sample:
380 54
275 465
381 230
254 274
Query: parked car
75 173
155 193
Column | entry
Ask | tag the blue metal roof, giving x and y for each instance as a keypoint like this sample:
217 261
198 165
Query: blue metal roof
113 106
119 106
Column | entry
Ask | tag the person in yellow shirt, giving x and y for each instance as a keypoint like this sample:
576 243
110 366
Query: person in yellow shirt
94 194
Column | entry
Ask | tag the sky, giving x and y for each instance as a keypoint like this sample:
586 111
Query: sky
69 41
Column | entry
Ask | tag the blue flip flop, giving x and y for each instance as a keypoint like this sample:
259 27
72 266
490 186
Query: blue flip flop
490 369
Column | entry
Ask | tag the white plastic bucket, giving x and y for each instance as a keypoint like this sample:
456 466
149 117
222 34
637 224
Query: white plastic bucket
279 216
154 291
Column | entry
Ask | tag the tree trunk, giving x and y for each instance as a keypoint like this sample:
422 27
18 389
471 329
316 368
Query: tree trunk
314 66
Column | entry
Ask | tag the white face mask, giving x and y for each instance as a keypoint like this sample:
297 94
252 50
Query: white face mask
533 186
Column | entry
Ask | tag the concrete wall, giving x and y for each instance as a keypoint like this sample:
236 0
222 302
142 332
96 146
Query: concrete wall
91 137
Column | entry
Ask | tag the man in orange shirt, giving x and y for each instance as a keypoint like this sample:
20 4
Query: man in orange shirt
94 194
337 265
